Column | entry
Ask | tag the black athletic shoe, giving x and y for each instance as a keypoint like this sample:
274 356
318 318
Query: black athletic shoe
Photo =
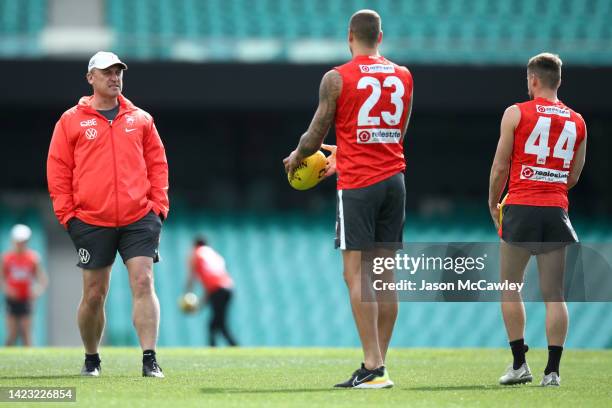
91 369
364 378
152 369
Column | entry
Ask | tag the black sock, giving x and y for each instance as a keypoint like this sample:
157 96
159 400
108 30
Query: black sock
148 355
519 348
554 358
93 357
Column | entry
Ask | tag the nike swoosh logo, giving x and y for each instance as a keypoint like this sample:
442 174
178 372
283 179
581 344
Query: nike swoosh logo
129 130
358 381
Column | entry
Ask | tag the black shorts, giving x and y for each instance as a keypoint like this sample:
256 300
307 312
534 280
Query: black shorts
18 308
97 246
372 214
540 229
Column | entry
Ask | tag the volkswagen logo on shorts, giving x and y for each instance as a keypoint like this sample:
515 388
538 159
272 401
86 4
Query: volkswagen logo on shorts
91 133
528 172
84 255
364 136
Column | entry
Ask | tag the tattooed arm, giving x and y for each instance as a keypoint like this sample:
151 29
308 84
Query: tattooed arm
310 142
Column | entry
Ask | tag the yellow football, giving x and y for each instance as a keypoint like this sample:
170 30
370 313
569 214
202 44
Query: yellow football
309 173
188 302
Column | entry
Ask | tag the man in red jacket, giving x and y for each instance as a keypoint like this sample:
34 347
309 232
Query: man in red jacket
108 179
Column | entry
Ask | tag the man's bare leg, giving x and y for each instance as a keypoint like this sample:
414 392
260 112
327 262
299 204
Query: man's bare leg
387 307
365 313
513 262
11 326
551 266
25 327
91 317
145 313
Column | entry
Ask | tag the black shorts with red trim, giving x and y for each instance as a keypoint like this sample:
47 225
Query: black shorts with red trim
537 228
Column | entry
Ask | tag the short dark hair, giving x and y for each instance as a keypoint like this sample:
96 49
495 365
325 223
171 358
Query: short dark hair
547 67
365 26
200 240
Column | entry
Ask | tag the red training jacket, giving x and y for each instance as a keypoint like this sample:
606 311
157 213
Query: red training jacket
107 174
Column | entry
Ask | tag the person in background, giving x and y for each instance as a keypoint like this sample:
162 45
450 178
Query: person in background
208 266
22 281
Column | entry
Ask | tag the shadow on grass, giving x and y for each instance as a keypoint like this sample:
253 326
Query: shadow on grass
262 391
460 388
39 377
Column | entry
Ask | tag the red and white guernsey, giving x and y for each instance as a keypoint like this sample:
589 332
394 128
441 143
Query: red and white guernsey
19 269
370 115
545 142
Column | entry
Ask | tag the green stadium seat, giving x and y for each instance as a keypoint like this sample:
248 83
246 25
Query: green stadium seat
438 31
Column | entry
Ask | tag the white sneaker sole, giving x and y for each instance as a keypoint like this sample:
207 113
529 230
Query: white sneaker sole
518 381
376 385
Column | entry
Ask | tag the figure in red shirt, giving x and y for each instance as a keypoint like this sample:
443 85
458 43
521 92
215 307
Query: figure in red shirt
22 281
542 147
108 179
370 100
208 266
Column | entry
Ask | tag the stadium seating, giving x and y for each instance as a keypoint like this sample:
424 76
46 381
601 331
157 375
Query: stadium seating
438 31
38 243
20 23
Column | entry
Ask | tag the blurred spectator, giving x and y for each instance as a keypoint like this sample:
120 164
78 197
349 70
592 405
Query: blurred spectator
208 266
22 281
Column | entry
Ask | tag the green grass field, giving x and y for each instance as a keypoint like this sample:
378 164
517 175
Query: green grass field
303 377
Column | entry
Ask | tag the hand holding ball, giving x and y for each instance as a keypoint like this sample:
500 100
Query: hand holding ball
309 173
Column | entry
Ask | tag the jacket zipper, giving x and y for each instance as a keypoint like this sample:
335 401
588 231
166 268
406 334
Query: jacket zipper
119 114
115 168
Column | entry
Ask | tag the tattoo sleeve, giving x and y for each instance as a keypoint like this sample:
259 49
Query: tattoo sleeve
329 91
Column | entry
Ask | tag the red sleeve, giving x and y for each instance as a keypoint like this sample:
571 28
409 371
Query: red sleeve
60 165
157 171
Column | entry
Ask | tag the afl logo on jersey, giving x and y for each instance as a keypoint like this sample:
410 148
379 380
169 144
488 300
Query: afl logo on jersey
91 133
364 136
527 172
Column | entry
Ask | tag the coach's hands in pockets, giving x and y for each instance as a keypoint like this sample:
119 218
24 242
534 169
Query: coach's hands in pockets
330 168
